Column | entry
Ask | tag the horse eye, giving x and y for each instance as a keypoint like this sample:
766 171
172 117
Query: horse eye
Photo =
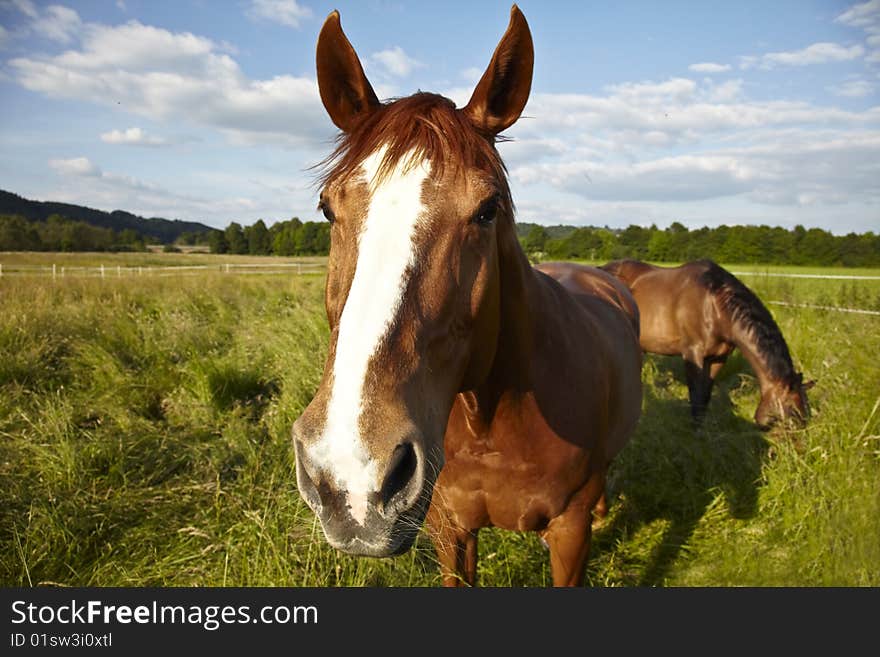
486 214
328 213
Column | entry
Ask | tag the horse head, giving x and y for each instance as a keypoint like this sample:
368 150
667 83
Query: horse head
785 401
421 215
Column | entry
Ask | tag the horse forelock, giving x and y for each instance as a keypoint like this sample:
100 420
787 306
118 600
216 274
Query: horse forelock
411 130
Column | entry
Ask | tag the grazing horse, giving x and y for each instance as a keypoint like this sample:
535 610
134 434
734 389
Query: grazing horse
702 312
460 384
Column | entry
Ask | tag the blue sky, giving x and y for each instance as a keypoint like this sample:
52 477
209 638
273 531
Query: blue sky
641 112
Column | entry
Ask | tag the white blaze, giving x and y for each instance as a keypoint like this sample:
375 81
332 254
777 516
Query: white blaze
385 254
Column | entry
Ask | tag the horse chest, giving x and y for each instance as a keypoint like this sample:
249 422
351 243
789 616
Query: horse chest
514 473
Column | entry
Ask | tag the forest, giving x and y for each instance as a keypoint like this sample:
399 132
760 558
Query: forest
740 244
293 237
58 233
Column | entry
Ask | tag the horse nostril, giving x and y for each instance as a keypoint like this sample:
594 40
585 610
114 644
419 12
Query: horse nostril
401 469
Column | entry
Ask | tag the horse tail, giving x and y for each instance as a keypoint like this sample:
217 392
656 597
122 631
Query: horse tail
747 311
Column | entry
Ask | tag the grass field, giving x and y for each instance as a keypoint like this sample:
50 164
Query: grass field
144 431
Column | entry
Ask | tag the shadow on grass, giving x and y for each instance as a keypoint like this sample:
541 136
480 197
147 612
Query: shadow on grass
229 385
674 470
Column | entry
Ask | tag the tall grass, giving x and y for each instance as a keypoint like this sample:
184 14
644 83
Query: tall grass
144 440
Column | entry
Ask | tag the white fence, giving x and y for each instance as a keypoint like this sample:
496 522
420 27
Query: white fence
838 277
103 271
857 311
118 271
299 268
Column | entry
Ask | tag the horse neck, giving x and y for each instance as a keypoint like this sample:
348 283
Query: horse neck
744 340
519 295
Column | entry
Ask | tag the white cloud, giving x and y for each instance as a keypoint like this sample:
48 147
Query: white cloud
817 53
709 67
137 48
680 141
684 177
285 12
472 74
865 16
78 166
790 169
58 23
178 76
133 137
55 22
26 7
748 61
84 183
395 62
726 91
857 88
678 108
674 89
529 151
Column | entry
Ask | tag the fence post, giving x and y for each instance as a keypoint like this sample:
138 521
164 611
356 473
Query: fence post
53 271
1 270
62 271
227 267
102 271
119 271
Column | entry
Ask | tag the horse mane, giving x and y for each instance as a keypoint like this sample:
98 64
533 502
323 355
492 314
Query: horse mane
421 126
746 310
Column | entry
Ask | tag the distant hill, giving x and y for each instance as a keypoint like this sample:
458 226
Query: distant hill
164 230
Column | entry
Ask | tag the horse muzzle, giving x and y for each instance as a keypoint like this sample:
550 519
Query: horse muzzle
379 523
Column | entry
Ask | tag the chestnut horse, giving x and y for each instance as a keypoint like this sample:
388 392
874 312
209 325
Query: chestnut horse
460 384
702 312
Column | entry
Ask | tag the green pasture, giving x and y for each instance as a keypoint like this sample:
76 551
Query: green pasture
25 260
144 440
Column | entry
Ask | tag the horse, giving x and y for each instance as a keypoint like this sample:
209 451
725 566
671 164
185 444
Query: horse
462 389
702 312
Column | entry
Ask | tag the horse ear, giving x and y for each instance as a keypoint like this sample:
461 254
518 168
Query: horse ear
502 92
345 91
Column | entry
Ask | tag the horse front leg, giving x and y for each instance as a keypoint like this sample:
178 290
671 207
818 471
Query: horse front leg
699 384
456 549
715 365
569 534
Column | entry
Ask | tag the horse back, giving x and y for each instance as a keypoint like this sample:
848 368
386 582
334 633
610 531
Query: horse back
592 284
627 271
603 336
678 313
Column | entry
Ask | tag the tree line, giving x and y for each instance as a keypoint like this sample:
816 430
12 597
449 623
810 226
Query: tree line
60 234
284 238
739 244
